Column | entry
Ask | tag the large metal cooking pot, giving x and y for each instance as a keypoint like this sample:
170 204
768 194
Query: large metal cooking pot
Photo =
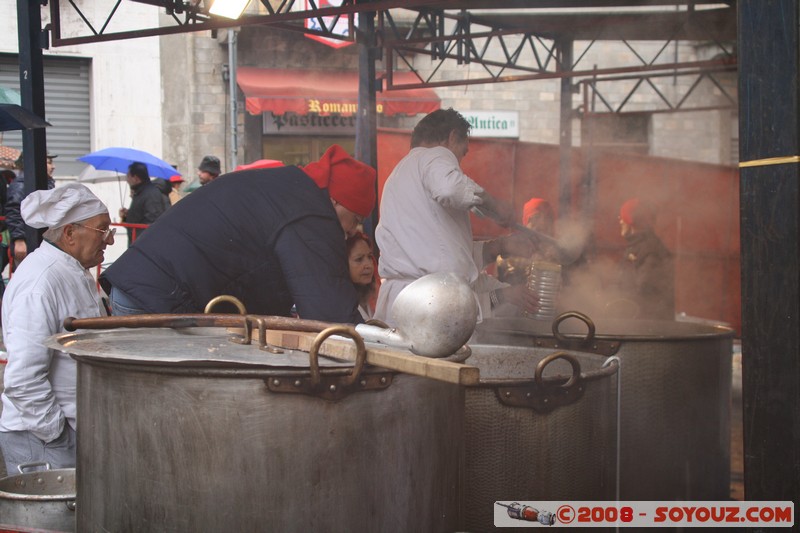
36 501
182 430
540 425
675 382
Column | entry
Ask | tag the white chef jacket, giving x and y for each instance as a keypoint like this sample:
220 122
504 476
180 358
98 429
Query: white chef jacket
39 394
424 224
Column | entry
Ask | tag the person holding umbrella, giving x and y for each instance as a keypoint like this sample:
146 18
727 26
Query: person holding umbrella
147 202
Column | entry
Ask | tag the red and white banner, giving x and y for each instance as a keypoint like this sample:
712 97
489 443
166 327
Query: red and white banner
340 27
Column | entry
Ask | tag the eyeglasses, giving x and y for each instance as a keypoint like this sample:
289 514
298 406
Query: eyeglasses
107 233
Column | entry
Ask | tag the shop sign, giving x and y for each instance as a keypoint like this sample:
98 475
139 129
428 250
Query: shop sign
310 124
493 123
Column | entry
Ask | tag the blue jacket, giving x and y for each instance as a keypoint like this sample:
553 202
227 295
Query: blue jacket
269 237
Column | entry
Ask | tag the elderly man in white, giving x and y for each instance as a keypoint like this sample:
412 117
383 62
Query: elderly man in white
38 419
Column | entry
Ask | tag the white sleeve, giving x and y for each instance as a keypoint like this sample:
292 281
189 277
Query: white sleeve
26 380
448 185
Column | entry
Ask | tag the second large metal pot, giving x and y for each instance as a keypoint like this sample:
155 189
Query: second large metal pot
675 383
540 425
181 430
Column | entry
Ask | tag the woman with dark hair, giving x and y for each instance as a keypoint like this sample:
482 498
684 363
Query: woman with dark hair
362 273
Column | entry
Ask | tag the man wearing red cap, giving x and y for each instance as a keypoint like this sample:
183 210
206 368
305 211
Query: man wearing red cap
538 215
270 237
648 275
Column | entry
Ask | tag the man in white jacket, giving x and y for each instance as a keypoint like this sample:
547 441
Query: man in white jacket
424 219
38 419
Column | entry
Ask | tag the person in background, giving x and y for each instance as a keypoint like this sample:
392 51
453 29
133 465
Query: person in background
362 273
538 215
37 423
147 202
6 177
208 170
647 274
16 193
269 237
163 185
175 194
425 227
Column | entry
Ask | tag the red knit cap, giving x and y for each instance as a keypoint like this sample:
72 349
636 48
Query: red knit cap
536 205
261 163
349 182
637 213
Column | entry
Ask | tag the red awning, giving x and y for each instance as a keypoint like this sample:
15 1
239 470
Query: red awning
325 93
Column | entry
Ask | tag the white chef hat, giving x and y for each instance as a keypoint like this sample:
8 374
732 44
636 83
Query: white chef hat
63 205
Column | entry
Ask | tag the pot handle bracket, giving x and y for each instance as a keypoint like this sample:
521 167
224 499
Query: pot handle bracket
589 343
333 386
543 396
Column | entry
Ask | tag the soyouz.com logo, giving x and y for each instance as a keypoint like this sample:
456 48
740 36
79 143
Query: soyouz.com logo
644 514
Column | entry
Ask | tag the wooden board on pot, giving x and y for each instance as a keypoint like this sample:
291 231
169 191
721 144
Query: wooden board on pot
384 357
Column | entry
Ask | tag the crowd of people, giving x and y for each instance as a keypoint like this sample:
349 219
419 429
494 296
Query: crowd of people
284 240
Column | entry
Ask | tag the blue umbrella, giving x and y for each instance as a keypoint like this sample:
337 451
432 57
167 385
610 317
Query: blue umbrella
119 159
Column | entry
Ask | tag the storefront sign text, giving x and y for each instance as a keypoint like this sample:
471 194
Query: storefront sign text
294 124
493 123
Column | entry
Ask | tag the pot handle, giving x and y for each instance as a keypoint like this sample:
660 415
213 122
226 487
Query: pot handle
573 314
25 466
571 359
225 298
346 331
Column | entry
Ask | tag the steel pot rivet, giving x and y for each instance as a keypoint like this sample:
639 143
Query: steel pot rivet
363 382
527 394
332 388
546 400
59 478
383 381
508 394
276 382
39 480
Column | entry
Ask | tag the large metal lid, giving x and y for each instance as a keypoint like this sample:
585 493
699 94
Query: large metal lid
608 329
196 346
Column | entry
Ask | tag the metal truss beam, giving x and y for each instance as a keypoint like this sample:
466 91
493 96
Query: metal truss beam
594 97
504 48
192 15
506 55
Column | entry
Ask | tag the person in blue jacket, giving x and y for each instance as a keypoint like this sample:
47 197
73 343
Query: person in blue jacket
269 237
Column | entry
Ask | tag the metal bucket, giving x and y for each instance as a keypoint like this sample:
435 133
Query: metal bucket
675 383
36 501
181 430
541 425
